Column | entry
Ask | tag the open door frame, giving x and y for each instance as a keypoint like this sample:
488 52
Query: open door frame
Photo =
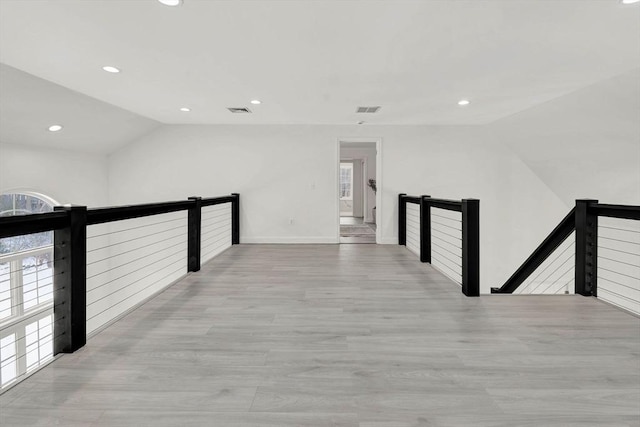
336 165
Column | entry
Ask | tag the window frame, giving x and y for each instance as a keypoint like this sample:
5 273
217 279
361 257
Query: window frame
344 166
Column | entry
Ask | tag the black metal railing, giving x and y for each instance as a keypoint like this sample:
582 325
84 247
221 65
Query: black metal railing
70 223
559 234
583 219
469 234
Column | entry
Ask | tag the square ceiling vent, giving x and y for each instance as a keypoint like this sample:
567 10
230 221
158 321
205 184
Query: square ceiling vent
368 109
239 110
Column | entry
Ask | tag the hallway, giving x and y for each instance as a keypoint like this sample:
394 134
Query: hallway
341 335
355 230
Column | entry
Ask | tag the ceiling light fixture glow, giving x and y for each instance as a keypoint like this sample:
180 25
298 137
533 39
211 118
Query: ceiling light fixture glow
256 101
463 102
55 128
111 69
629 1
171 2
185 109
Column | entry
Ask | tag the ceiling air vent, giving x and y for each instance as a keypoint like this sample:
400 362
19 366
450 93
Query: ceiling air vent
368 109
239 110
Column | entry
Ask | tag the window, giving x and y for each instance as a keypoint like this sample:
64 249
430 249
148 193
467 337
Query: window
24 204
26 292
346 181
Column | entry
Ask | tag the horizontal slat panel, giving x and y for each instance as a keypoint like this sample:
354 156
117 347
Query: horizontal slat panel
413 228
446 242
216 231
131 260
619 262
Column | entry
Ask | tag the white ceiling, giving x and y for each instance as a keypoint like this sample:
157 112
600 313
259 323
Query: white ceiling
314 62
29 105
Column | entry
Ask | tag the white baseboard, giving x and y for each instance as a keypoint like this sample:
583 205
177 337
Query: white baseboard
305 240
289 240
389 241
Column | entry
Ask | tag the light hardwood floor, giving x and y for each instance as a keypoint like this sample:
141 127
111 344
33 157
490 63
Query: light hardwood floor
348 238
342 335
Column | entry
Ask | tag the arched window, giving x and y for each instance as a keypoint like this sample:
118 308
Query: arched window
25 204
26 292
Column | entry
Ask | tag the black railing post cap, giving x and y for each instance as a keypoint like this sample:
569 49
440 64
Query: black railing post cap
68 206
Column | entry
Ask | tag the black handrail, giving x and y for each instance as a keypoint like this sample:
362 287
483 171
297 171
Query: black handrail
617 211
211 201
70 237
448 204
583 219
540 254
411 199
19 225
470 209
120 213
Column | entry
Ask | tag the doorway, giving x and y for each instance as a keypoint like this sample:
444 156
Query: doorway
357 193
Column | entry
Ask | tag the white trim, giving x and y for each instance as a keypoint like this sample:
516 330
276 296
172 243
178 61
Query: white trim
291 240
368 215
379 208
351 189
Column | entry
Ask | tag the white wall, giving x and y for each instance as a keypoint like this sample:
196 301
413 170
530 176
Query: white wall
524 191
286 176
357 151
65 176
268 165
462 162
585 144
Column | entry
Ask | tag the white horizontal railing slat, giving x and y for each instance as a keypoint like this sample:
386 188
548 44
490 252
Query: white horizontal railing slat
129 261
446 242
413 228
619 262
216 230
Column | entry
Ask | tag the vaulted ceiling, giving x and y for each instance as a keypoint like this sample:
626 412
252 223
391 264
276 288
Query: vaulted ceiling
310 62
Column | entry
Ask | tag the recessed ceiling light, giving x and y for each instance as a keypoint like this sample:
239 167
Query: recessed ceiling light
185 109
55 128
463 102
171 2
256 101
110 69
629 1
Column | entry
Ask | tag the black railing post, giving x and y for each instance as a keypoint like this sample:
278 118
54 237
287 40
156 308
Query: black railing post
70 282
586 248
402 219
425 229
194 221
235 219
471 247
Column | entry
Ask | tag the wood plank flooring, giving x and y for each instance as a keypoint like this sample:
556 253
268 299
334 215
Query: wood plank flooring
342 335
347 236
